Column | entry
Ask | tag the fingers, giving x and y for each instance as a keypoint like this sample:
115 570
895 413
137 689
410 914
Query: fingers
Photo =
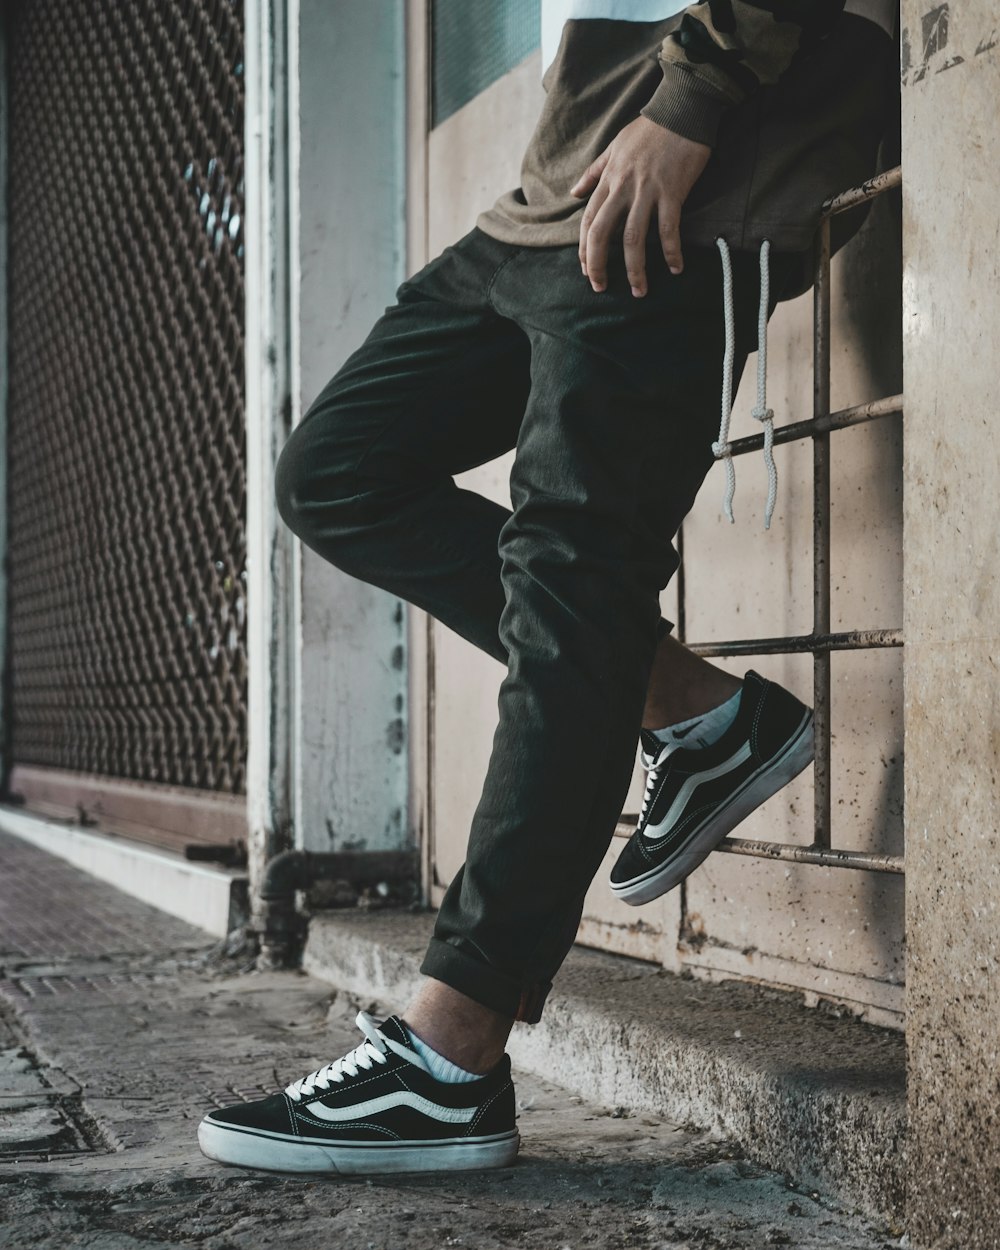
599 234
590 177
669 226
588 254
634 240
646 168
600 225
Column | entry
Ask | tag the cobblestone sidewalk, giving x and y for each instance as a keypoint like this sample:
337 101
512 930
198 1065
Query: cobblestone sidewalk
120 1027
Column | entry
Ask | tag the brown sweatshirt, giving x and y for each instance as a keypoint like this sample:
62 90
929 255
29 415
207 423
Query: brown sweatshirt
793 96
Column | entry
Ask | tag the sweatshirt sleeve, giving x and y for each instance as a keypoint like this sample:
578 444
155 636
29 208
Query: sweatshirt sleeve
725 50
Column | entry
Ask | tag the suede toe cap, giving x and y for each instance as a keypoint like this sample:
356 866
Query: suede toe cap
270 1114
630 863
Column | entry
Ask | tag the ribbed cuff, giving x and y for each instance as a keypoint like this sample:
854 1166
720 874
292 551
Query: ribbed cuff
682 104
483 984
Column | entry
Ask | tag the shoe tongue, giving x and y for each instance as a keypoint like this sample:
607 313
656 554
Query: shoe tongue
752 678
651 744
394 1028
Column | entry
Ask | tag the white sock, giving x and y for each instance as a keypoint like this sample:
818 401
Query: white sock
440 1068
701 731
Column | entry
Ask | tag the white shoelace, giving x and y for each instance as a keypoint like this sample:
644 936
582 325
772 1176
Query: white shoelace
653 764
721 448
372 1050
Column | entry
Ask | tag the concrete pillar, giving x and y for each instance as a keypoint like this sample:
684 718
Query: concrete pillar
347 234
951 316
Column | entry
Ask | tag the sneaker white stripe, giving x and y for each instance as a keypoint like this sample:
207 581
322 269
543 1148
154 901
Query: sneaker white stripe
359 1110
688 788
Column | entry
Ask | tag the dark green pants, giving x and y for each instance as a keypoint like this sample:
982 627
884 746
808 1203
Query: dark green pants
612 404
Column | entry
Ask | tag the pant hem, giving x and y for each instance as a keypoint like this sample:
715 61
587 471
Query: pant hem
483 984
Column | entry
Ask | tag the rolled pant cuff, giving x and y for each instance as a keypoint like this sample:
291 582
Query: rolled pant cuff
483 984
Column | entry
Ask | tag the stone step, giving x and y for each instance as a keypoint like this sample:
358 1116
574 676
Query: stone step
818 1097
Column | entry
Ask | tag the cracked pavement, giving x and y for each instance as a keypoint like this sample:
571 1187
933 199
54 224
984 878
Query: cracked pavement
120 1027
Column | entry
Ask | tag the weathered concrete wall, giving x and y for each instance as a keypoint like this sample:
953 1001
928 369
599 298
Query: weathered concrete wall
828 931
951 94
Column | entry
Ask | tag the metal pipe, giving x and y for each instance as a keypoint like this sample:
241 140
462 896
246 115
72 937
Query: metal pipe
821 536
885 181
281 927
812 855
850 640
856 415
297 870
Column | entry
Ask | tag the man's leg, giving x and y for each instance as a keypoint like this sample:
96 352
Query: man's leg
365 479
563 589
615 443
611 402
441 384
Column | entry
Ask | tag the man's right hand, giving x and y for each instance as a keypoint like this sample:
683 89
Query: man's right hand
645 169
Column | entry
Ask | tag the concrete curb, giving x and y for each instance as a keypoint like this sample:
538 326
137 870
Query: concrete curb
208 897
817 1097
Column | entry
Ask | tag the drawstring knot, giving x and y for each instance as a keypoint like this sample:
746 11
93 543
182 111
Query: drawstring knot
721 448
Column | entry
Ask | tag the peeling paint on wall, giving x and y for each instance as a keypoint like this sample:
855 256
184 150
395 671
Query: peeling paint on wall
943 43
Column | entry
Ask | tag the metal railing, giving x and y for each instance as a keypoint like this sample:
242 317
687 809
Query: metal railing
821 642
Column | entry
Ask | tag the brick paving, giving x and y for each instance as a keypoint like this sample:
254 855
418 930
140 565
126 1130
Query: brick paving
52 910
120 1027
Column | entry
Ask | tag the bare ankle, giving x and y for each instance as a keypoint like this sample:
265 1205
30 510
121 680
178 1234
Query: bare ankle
457 1027
683 685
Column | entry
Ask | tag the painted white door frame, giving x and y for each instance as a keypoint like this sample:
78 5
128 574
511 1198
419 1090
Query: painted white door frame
421 635
270 627
326 112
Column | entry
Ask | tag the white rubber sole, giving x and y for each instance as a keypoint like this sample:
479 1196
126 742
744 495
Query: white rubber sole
276 1153
768 780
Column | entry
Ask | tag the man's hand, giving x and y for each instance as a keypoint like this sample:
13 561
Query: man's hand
645 169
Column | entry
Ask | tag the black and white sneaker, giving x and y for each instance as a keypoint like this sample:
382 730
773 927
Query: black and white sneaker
377 1109
695 797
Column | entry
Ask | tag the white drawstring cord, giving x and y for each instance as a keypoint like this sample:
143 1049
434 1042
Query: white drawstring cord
721 449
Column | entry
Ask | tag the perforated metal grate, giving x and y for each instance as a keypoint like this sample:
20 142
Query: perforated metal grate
126 457
475 42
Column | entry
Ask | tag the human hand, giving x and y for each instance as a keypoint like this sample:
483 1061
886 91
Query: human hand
645 169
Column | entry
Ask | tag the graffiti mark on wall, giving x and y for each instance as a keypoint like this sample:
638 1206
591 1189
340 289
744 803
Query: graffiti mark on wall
942 43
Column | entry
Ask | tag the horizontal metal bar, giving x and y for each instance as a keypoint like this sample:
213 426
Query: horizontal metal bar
859 414
827 856
821 539
851 640
867 191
